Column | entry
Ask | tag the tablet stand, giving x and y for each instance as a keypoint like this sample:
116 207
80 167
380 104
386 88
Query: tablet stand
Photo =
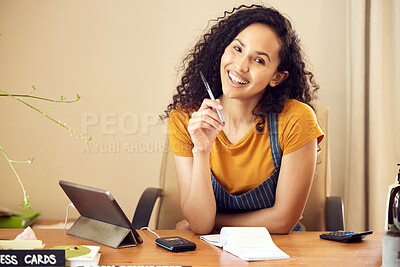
104 233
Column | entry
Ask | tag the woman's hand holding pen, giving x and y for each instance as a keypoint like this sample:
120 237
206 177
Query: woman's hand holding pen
204 125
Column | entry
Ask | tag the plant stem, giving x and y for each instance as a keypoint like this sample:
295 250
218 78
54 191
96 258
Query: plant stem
42 98
64 125
16 161
26 198
73 132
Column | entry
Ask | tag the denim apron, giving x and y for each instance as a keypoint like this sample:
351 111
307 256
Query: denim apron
263 196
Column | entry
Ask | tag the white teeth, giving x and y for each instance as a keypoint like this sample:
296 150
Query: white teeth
237 79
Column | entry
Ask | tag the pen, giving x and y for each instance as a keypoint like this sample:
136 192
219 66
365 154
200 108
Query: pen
211 95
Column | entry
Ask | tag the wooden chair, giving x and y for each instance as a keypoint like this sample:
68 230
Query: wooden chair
322 212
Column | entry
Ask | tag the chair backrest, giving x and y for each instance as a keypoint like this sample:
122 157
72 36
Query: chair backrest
169 213
314 218
169 210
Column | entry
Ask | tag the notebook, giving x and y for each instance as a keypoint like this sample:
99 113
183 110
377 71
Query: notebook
247 243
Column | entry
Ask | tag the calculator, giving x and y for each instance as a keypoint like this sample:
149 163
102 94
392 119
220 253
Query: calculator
175 244
345 236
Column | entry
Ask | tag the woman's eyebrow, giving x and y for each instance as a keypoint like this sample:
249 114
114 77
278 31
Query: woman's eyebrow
257 52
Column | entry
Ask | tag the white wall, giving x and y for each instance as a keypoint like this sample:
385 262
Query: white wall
121 57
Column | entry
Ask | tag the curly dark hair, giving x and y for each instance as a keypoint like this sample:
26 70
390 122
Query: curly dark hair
207 53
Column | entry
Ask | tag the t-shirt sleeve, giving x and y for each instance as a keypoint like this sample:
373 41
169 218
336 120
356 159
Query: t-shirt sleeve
179 138
300 126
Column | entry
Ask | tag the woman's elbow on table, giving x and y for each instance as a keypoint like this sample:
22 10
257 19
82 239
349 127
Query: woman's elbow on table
201 229
282 231
201 221
282 227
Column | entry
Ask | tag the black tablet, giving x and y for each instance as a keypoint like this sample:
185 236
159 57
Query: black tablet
97 204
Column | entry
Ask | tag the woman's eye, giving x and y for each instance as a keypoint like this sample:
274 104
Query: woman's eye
260 60
237 48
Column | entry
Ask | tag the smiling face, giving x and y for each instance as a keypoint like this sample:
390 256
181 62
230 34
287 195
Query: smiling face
250 63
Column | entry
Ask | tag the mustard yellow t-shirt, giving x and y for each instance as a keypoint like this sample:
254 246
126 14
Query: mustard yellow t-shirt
242 166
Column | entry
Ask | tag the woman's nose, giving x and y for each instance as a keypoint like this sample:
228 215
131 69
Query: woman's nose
242 63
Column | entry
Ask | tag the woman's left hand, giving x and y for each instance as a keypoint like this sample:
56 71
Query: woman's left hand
182 225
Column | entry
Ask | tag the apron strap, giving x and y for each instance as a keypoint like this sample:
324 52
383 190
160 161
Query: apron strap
274 136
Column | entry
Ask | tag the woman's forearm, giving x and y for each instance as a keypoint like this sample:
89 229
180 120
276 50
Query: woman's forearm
199 206
273 220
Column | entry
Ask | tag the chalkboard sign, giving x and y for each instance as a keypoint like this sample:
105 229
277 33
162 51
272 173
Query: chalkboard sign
44 257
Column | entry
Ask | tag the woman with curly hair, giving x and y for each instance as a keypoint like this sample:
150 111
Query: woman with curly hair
256 168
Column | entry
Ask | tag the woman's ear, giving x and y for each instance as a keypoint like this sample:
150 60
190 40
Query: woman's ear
278 78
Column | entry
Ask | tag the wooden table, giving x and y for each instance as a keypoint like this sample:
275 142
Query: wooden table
304 248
